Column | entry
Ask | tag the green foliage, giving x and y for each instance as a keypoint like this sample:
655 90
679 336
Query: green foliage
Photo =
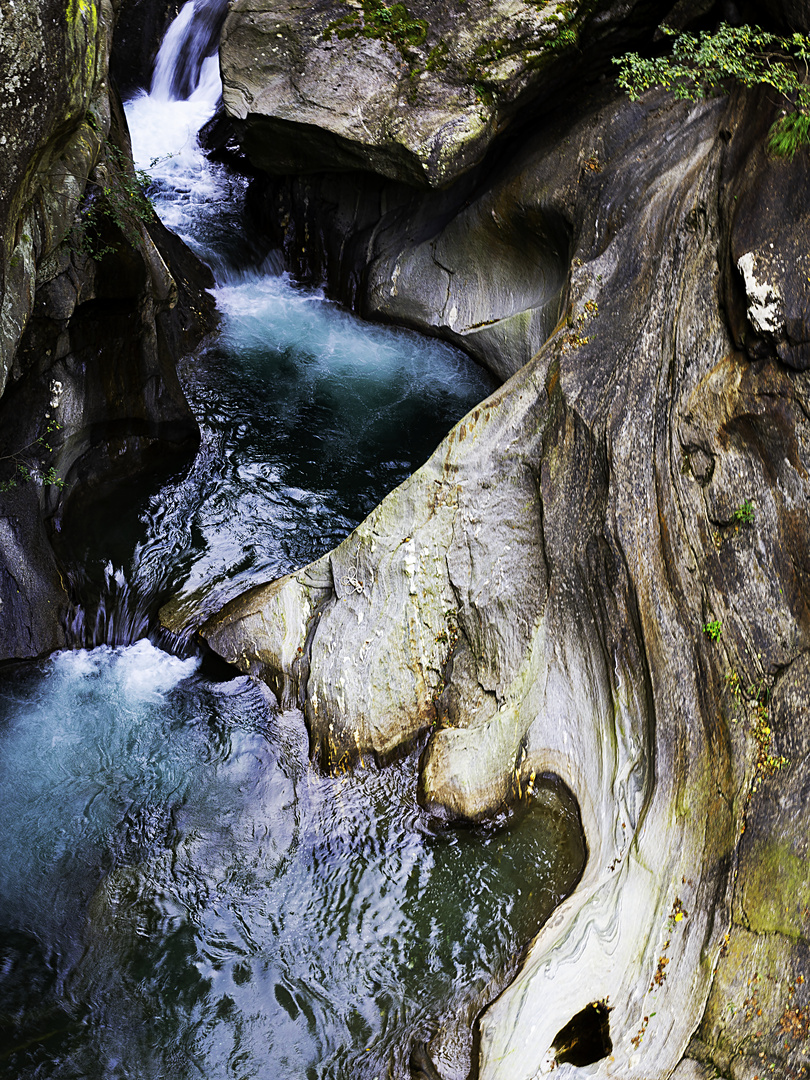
120 199
788 134
713 629
22 468
567 38
701 65
393 24
484 95
744 514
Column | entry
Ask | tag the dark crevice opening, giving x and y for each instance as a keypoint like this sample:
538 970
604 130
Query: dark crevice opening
585 1038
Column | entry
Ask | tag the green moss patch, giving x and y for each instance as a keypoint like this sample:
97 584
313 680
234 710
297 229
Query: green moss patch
395 25
775 893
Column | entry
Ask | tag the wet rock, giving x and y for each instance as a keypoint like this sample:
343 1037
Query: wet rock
54 59
534 598
90 325
765 302
483 269
758 1014
219 140
766 264
413 92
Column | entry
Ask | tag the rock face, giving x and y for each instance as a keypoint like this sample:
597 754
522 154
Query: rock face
602 572
486 271
92 317
413 92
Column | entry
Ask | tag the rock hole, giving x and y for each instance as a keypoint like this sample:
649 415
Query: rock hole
585 1038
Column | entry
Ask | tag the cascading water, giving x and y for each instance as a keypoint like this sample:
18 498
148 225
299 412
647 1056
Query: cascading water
180 893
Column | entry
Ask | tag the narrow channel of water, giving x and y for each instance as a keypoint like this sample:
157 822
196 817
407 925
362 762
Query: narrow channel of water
309 416
181 894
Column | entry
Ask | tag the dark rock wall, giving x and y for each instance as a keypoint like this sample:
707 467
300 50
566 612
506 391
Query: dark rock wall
139 30
88 388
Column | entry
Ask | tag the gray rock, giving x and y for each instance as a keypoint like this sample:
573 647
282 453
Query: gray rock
413 92
485 269
534 598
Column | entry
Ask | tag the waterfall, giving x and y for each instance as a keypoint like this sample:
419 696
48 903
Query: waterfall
191 40
164 123
308 416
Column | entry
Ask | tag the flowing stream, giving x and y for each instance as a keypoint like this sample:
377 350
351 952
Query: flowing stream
181 893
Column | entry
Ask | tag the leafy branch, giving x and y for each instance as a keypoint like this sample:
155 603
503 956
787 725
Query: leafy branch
23 469
119 198
701 65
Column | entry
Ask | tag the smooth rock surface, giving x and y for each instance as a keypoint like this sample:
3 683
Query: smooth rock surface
413 92
537 593
484 269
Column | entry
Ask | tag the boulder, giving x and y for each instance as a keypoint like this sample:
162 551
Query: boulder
414 92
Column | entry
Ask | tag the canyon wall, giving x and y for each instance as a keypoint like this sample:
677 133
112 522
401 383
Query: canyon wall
602 572
97 301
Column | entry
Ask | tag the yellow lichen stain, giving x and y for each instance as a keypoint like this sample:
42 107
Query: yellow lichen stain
82 18
86 9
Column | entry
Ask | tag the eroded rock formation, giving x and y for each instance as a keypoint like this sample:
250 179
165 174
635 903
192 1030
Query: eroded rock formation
602 571
414 92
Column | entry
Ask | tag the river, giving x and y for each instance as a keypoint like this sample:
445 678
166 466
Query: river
181 893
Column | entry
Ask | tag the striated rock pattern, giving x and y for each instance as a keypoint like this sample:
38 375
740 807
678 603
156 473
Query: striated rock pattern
602 572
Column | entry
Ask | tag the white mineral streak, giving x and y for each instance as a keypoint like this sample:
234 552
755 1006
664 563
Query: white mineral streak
765 301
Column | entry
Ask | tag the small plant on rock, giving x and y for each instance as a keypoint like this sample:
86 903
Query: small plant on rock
744 514
713 629
375 20
22 467
118 196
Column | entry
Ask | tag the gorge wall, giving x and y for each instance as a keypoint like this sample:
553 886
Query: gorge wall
602 572
93 316
535 598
